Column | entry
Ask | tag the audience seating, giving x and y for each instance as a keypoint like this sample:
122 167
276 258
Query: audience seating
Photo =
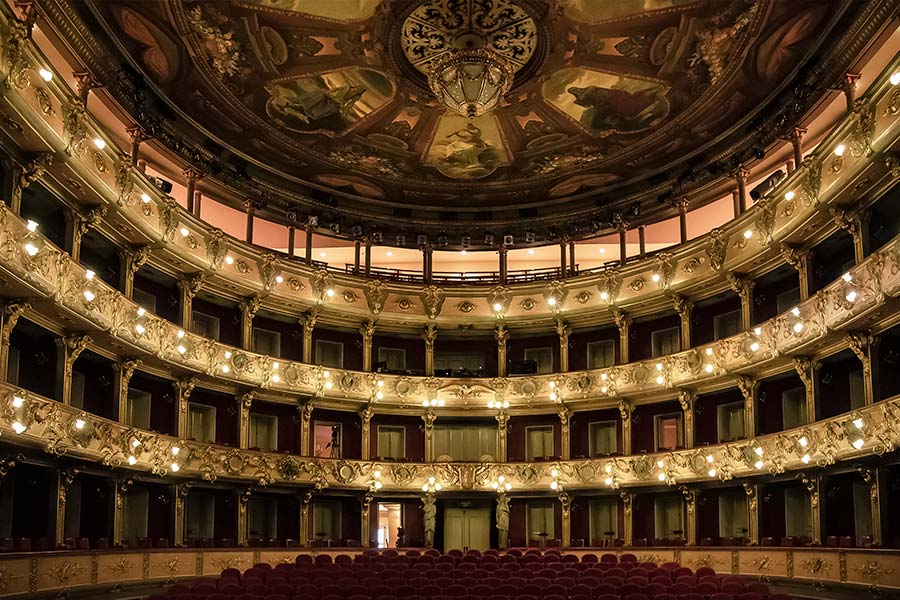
414 575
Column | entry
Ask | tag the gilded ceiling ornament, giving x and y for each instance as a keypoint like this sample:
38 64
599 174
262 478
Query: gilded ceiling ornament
555 294
765 220
73 128
16 37
811 184
43 99
637 284
224 51
609 285
320 282
216 247
500 295
864 130
665 269
168 219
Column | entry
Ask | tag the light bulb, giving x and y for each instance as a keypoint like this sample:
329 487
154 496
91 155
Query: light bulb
135 443
18 401
798 327
175 467
495 485
501 479
748 234
757 331
132 460
184 232
180 334
553 395
100 143
379 395
425 487
608 468
608 481
708 368
507 486
145 198
329 292
851 296
895 78
551 300
659 380
328 385
554 473
79 424
758 451
789 196
604 376
376 474
89 295
31 249
712 472
754 346
858 423
805 459
279 279
381 383
463 252
858 443
709 458
378 485
655 277
227 354
175 450
505 404
18 427
661 476
758 464
709 351
803 442
603 389
139 329
847 277
840 149
229 260
659 366
45 74
141 312
604 296
181 349
225 368
553 485
89 274
498 307
795 311
31 225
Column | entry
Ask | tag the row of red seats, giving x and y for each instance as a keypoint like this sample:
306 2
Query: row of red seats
321 578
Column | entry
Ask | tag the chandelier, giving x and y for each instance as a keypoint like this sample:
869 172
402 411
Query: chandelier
470 82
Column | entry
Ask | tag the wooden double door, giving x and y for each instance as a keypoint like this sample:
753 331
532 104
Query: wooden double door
467 529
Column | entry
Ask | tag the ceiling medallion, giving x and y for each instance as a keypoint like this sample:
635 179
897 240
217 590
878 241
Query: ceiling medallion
470 51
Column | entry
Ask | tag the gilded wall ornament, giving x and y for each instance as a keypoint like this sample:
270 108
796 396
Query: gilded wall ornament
465 307
376 294
432 300
528 304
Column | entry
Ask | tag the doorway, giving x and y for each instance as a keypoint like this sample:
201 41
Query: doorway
390 519
467 529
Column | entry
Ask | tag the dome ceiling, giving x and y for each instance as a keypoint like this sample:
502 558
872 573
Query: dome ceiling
613 102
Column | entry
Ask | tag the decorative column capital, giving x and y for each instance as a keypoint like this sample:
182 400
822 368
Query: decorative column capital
84 83
682 305
429 334
12 310
740 285
186 386
367 329
429 418
740 174
137 135
75 345
681 205
563 330
308 320
192 284
622 319
804 368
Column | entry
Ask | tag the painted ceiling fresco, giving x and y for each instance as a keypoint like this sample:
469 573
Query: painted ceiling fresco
607 92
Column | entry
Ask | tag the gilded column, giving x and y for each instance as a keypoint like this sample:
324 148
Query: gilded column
690 505
796 139
501 333
191 176
681 206
564 416
684 308
623 323
805 369
119 525
625 409
799 260
124 369
365 508
748 388
861 345
686 400
309 324
249 308
305 417
622 229
10 314
563 330
740 176
64 480
429 418
132 261
243 499
752 492
304 518
367 331
815 513
189 287
502 423
181 493
365 417
871 476
69 349
566 503
429 335
628 534
183 389
743 287
136 136
244 402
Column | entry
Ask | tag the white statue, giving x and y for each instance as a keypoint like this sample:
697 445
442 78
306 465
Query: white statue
429 518
503 521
